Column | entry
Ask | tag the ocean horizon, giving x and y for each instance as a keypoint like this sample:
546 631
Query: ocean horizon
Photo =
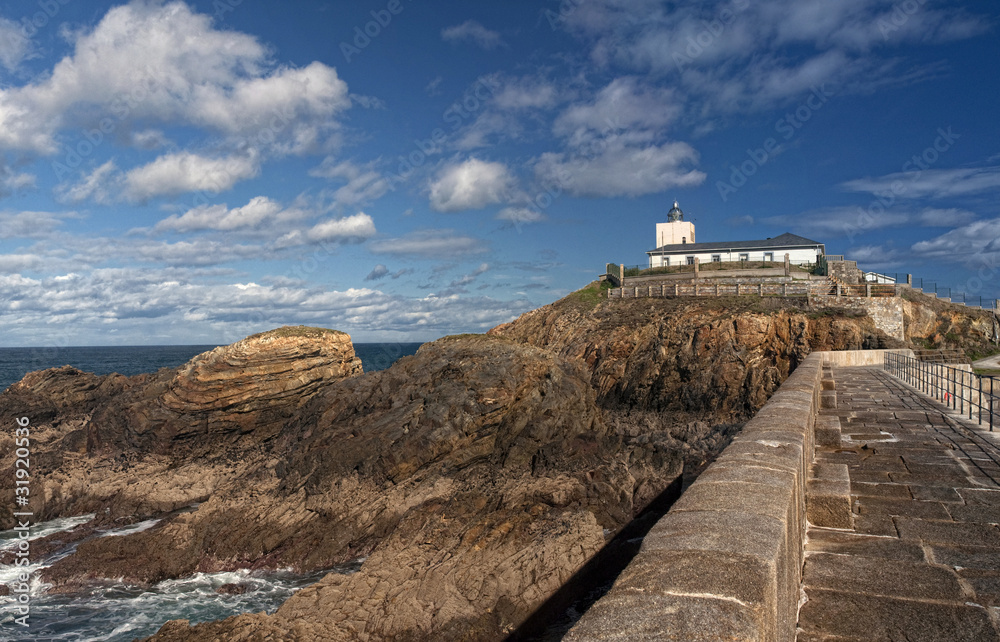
134 360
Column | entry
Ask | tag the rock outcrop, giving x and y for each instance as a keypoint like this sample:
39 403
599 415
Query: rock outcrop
476 476
715 359
473 478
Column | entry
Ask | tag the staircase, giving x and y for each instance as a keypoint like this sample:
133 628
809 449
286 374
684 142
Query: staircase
944 355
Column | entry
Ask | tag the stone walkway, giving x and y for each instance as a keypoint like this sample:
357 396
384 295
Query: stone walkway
920 557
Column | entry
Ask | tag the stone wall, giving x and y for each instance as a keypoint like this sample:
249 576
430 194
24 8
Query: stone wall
847 358
725 563
886 312
845 271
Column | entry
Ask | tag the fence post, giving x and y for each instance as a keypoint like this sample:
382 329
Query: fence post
697 263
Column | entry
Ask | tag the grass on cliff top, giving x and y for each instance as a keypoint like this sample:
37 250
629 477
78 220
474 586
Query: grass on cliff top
303 331
590 295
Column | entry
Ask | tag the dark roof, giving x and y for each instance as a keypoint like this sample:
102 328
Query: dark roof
786 240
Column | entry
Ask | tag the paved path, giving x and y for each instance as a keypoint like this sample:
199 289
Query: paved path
988 362
923 559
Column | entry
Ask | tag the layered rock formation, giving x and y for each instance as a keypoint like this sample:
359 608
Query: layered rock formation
717 359
476 476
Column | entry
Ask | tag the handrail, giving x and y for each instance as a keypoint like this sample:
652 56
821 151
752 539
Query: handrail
956 388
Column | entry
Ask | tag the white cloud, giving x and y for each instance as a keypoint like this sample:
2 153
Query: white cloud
852 221
178 305
11 181
31 225
218 217
526 93
98 186
975 245
473 31
469 185
730 56
948 217
14 46
151 62
621 168
430 244
520 215
364 184
930 183
14 263
349 229
357 227
378 272
624 104
181 172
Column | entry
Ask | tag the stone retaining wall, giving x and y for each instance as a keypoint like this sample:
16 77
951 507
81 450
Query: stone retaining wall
848 358
725 563
886 312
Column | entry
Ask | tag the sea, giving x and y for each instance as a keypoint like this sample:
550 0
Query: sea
117 612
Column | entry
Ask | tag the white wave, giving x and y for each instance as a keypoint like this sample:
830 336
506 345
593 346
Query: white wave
9 539
132 528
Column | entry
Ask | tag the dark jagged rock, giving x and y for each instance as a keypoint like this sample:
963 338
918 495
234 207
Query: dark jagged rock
234 589
476 476
717 359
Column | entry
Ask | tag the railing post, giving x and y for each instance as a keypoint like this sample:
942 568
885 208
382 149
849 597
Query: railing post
980 401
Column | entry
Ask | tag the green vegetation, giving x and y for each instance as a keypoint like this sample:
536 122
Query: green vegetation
590 295
975 354
990 372
296 331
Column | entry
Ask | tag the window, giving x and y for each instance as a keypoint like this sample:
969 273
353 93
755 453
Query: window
744 256
666 261
768 257
690 260
684 240
716 258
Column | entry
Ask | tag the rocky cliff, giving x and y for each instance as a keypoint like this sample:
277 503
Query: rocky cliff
475 477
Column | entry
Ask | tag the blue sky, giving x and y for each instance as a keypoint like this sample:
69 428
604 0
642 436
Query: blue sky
184 173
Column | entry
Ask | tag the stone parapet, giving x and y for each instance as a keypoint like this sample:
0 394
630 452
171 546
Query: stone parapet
725 562
849 358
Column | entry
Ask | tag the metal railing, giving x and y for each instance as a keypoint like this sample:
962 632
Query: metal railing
976 396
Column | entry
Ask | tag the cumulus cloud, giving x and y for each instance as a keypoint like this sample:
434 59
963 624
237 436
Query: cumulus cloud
179 305
219 217
162 62
622 167
357 227
431 244
349 229
182 172
472 184
473 31
378 272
